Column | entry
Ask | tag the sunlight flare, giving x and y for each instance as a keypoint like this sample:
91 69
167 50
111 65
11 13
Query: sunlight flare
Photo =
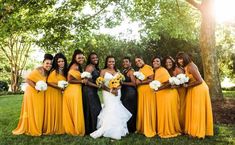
224 11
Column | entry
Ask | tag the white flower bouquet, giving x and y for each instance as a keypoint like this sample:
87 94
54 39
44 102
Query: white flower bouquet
179 79
155 85
62 84
174 81
41 86
183 78
139 75
86 75
23 86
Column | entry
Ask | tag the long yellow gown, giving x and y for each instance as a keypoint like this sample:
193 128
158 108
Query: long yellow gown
146 111
32 111
53 121
73 118
182 95
198 118
167 107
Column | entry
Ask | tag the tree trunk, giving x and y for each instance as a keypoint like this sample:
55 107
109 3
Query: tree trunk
208 50
14 80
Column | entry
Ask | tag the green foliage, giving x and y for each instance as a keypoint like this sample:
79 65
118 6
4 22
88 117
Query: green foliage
173 17
10 106
105 45
229 93
5 70
3 86
226 50
67 27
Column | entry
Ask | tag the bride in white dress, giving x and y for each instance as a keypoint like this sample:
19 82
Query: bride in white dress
112 120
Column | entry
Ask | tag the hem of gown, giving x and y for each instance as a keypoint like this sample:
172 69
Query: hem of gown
169 136
25 133
53 133
198 136
149 136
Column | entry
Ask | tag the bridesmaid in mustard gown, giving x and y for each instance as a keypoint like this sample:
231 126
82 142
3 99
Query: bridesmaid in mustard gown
32 111
146 106
167 103
53 102
73 117
174 69
199 118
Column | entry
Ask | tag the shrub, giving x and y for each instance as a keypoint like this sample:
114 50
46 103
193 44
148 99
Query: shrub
3 86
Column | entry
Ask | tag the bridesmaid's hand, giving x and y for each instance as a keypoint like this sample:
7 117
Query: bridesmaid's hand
137 82
84 81
155 91
185 85
174 86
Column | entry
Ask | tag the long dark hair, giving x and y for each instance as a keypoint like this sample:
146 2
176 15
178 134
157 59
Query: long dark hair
171 70
89 60
106 62
186 58
75 53
55 63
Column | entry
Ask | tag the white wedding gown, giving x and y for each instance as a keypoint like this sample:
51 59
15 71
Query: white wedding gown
112 120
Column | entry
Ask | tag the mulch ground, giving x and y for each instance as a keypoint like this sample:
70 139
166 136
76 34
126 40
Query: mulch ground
224 111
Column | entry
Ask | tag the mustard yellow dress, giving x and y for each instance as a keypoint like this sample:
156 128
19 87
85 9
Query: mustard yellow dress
182 95
32 111
146 111
73 118
53 121
198 118
167 107
182 104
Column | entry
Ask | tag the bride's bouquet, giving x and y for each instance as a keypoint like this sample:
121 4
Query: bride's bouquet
116 82
120 77
139 75
155 85
86 75
62 84
41 86
99 81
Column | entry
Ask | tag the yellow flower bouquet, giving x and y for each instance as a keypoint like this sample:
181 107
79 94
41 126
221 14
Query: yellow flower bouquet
99 81
120 77
114 83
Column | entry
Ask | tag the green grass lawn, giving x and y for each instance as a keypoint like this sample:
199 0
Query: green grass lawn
10 106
